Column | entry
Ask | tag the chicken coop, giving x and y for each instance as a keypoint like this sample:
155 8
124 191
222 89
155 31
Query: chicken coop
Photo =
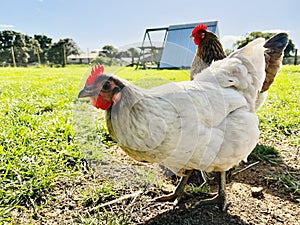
174 50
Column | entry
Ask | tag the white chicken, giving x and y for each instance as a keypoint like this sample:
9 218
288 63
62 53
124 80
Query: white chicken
206 124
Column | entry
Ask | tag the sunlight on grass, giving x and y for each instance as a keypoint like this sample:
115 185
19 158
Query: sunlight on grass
280 115
45 132
37 136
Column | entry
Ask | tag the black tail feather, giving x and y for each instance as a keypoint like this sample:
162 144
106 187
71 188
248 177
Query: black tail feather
277 43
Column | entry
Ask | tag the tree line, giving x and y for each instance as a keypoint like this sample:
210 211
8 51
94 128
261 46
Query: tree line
109 55
290 48
21 49
290 52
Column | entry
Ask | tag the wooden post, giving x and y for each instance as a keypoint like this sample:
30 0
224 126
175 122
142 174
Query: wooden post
64 62
38 55
13 56
295 59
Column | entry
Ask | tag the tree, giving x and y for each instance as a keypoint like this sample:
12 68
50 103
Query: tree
289 48
45 44
133 53
122 54
20 48
110 52
33 49
13 47
6 43
59 51
250 37
35 46
253 35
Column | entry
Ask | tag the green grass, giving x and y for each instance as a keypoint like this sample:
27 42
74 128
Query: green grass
36 133
280 115
40 139
98 195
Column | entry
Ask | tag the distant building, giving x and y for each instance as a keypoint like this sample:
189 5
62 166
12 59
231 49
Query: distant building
82 58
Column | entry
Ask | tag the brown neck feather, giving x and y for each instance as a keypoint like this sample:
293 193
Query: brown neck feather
210 49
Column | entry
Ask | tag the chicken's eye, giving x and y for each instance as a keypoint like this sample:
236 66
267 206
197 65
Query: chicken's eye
106 85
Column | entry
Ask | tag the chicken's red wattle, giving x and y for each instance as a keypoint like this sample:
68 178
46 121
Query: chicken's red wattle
196 41
99 103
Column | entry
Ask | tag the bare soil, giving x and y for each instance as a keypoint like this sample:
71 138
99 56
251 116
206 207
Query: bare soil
73 201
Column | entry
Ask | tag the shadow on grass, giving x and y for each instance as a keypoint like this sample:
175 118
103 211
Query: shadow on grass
198 216
272 173
276 177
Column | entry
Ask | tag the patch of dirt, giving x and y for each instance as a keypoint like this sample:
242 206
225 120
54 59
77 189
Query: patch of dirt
72 199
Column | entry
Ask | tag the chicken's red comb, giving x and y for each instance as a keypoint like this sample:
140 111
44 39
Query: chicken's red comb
201 26
97 71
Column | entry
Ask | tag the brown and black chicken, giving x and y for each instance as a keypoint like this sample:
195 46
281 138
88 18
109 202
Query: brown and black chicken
209 49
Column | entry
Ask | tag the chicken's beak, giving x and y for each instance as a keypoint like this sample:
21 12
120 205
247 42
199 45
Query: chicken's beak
88 92
191 36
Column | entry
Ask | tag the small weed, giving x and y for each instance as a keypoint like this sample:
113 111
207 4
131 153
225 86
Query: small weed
290 183
98 195
149 177
100 218
265 153
292 186
198 189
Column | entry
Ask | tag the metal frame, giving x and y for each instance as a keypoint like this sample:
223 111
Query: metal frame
150 49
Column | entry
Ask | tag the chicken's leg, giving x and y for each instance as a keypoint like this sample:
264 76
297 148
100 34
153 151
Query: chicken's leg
220 199
178 192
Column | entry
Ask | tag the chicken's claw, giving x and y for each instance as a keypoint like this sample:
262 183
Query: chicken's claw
178 192
219 199
170 197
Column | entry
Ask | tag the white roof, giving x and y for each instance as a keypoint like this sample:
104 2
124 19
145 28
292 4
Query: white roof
83 55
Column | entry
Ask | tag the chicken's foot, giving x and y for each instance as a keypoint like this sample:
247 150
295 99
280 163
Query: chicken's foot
219 199
178 192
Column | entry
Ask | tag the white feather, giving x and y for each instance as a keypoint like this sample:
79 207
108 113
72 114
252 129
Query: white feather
206 124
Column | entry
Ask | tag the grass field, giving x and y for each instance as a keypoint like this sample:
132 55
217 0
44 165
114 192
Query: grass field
38 137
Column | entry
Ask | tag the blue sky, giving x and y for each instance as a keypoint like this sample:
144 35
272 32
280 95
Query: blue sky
95 23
